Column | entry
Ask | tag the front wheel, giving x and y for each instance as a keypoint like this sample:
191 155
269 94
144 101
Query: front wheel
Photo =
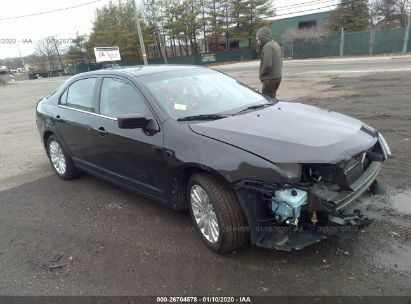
60 160
216 213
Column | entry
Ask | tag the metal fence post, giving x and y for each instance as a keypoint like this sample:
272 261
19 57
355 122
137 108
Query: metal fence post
342 43
372 41
407 30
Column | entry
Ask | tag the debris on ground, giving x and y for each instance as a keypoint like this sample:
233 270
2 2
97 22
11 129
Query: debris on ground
52 267
56 257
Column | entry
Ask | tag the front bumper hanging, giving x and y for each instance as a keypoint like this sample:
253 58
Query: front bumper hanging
342 215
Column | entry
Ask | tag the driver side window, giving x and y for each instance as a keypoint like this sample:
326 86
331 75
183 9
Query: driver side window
119 97
79 95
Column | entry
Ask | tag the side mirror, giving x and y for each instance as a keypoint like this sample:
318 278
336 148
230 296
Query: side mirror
132 121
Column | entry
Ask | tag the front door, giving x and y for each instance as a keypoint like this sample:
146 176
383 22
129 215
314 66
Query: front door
74 119
130 156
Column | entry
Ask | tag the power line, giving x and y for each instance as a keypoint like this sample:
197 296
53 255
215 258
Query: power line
52 11
95 1
309 10
304 4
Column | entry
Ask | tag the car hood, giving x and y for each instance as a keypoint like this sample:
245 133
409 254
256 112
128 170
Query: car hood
292 133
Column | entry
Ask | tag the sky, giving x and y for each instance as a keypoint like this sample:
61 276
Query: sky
21 33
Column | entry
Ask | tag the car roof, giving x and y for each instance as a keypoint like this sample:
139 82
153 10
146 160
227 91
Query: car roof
140 70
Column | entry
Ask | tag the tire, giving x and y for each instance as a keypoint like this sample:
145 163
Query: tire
60 160
223 207
377 188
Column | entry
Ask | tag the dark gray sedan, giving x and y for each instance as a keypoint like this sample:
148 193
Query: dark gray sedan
284 175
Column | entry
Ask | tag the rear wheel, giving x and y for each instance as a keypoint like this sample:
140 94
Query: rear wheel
60 160
216 213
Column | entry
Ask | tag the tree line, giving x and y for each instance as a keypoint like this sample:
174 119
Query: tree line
185 27
188 27
356 16
200 26
361 15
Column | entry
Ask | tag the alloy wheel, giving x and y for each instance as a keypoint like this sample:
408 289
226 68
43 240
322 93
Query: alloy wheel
204 214
57 157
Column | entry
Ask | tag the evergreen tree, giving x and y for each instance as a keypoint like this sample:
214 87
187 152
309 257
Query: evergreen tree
182 24
248 16
114 25
214 21
256 14
226 8
77 50
238 9
352 15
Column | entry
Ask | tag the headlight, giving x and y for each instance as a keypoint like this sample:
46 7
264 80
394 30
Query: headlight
384 146
291 171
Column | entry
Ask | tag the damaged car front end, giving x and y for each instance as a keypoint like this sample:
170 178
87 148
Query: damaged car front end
319 173
320 200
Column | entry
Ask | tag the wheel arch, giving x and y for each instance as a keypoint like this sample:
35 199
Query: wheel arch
46 136
183 175
49 133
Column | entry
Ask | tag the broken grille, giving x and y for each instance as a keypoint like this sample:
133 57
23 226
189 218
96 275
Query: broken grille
355 171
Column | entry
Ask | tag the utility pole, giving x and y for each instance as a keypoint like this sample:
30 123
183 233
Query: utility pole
342 43
372 41
140 35
21 57
407 30
58 54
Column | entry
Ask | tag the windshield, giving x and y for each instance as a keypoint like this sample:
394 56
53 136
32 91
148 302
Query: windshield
200 92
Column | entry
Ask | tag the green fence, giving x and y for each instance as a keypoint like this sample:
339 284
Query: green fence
389 41
189 60
311 48
358 43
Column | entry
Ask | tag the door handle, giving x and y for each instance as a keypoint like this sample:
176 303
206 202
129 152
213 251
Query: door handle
102 131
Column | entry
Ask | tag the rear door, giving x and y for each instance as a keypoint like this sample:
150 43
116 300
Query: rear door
75 116
133 157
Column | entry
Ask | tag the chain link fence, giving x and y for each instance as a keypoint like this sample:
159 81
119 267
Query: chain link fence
377 41
347 44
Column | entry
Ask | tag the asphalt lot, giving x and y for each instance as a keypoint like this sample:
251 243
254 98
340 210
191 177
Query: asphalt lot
340 65
117 243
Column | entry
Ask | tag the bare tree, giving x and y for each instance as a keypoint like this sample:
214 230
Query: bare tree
46 50
388 13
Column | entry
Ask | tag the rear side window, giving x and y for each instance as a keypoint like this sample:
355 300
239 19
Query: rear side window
119 97
79 95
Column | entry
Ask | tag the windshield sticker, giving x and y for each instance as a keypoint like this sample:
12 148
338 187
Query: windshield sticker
179 106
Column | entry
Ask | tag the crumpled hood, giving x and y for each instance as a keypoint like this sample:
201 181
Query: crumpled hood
292 133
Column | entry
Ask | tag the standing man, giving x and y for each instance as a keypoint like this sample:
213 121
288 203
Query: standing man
271 62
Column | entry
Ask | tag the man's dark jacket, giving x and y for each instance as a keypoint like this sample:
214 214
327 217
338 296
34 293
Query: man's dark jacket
271 56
